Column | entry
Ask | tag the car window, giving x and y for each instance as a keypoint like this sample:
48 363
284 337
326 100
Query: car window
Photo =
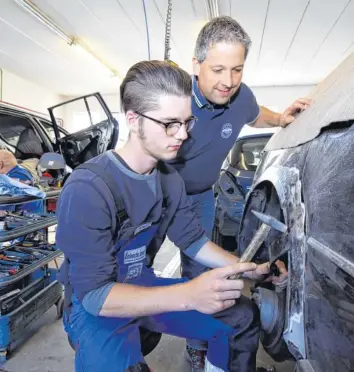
246 154
11 128
50 130
81 114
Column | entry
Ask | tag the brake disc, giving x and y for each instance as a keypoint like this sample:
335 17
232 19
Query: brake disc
271 305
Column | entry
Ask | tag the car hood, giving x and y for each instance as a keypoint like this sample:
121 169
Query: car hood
327 108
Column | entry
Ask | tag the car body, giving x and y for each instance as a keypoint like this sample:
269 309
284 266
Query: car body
29 134
305 179
234 183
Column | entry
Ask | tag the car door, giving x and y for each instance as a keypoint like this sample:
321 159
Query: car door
92 128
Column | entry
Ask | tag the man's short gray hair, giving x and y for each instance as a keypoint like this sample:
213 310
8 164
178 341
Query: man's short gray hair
146 81
222 29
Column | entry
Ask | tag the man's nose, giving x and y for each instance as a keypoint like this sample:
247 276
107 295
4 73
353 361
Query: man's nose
227 80
182 133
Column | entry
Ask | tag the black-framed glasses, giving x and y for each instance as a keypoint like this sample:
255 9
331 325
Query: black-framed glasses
173 127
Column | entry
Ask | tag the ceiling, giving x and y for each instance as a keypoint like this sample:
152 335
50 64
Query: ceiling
295 42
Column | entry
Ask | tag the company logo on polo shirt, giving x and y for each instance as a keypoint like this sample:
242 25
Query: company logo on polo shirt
134 255
226 130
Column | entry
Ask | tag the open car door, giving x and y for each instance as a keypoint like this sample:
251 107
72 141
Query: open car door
93 130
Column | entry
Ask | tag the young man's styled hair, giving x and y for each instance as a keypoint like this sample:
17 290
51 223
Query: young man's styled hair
147 80
222 29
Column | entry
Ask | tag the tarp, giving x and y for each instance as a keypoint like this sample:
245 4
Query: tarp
11 187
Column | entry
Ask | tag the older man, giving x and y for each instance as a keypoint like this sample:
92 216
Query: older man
223 104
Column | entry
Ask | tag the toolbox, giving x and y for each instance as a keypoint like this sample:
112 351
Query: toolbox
28 284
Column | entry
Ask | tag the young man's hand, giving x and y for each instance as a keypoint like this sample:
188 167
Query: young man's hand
212 291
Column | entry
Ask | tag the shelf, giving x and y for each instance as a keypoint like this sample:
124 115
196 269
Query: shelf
6 236
15 200
29 269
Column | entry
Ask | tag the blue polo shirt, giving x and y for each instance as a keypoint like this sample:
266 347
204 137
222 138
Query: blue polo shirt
201 156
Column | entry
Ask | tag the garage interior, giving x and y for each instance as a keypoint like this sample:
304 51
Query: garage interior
53 51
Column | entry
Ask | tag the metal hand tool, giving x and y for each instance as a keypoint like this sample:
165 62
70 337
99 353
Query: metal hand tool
268 222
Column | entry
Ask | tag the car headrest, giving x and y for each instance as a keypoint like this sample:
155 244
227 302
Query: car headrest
29 145
249 157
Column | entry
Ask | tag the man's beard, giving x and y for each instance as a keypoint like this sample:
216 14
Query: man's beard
142 138
141 132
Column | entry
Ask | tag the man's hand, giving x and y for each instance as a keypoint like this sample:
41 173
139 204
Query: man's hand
212 291
264 269
288 116
283 273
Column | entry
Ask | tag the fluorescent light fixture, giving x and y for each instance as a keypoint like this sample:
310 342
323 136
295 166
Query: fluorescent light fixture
85 50
37 13
47 21
92 58
212 8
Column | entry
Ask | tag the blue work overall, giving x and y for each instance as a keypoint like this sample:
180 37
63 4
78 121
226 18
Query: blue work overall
112 344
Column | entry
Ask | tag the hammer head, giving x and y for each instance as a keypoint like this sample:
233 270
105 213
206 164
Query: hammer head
271 221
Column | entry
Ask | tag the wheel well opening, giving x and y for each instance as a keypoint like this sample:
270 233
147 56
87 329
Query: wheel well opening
264 198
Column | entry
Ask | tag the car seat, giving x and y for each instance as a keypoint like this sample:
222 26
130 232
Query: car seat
29 145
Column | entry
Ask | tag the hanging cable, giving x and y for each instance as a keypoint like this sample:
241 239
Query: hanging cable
147 30
168 31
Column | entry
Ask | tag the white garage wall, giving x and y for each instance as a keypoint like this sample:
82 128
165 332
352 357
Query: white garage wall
112 101
280 97
24 93
21 92
274 98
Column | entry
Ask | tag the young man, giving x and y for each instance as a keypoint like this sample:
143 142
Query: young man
223 105
107 277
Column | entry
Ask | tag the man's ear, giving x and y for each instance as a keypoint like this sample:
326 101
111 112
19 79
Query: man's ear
196 67
132 120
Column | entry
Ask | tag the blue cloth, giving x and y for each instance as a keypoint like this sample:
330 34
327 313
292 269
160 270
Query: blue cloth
201 156
86 206
10 186
20 173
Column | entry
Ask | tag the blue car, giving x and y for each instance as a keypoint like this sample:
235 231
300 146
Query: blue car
235 181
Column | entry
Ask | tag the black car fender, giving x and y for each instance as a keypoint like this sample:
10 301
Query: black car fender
278 192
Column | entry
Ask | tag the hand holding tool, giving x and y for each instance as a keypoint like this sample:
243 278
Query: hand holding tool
268 222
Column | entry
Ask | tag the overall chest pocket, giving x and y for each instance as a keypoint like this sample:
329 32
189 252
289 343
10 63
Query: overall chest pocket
131 252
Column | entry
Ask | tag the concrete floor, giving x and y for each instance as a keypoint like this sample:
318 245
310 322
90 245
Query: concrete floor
47 349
